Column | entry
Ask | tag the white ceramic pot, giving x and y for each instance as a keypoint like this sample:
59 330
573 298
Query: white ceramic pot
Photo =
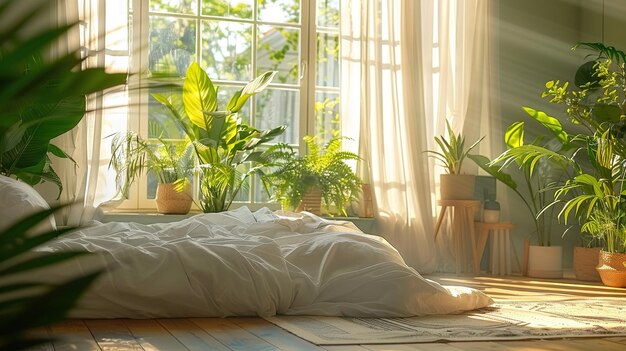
491 216
545 262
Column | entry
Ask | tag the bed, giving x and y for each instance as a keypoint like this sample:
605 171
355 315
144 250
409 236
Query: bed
244 263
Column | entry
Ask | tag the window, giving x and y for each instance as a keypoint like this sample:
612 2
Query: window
235 41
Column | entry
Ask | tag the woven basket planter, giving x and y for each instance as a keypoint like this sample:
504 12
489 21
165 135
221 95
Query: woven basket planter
612 269
170 201
585 263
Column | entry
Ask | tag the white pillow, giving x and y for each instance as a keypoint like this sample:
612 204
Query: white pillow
18 200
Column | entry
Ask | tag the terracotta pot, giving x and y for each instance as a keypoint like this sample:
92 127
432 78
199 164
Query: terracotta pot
457 186
170 201
612 269
545 261
585 263
312 202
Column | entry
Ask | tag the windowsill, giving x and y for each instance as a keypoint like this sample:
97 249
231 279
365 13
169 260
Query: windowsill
150 217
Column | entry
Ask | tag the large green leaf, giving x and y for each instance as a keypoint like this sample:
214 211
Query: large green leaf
514 135
199 97
551 123
253 87
606 113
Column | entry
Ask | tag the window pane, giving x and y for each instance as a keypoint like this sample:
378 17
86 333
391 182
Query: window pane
153 182
286 11
260 195
227 8
172 45
244 192
275 107
226 50
279 50
327 66
328 13
327 118
174 6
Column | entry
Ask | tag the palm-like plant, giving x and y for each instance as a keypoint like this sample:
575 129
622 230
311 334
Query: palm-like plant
323 168
540 168
227 149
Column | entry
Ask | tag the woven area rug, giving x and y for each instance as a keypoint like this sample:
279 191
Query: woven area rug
510 320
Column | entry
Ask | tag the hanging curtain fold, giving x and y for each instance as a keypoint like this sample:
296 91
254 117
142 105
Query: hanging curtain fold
102 37
407 66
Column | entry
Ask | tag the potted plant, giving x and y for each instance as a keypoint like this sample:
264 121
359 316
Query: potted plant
172 161
595 196
538 175
454 185
320 178
595 155
227 149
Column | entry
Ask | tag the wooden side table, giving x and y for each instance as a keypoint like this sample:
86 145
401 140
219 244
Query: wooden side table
500 262
462 221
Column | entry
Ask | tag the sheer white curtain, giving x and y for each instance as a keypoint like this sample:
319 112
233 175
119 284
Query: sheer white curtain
406 67
102 37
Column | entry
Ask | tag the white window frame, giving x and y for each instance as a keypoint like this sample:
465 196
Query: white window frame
138 110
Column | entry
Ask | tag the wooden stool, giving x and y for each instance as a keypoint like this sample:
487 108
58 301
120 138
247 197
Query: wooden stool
462 219
500 262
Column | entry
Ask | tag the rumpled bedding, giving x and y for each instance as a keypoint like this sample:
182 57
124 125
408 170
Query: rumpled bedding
244 263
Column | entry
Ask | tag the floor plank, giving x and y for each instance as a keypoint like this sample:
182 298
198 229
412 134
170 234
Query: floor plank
40 333
345 348
152 336
191 335
392 347
233 336
73 335
113 335
274 335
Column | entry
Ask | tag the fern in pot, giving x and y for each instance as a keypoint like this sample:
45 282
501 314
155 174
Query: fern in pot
322 178
172 161
452 153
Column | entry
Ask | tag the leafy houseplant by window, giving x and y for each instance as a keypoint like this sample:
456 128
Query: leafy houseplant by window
322 170
226 148
454 185
172 162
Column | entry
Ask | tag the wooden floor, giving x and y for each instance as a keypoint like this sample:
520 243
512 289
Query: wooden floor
256 334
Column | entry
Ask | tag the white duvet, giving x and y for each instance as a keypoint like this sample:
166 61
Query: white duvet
240 263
